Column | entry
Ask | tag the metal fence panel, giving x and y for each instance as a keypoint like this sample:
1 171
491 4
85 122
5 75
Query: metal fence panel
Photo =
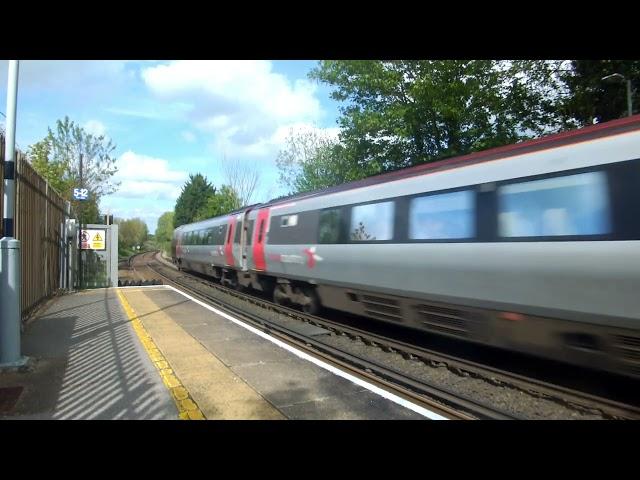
39 219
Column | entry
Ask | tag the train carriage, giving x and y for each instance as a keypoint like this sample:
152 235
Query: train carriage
532 247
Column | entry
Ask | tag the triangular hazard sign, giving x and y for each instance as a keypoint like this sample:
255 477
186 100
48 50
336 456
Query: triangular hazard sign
97 238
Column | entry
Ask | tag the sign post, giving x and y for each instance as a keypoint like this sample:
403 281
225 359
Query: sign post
81 195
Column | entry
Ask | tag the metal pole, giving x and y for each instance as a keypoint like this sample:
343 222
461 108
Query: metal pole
10 307
629 106
80 211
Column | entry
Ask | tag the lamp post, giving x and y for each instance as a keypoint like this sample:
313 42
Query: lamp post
618 76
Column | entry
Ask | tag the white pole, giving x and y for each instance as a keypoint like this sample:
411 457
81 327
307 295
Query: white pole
10 308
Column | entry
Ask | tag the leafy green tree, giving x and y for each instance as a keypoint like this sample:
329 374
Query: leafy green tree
311 161
222 202
192 200
395 114
588 97
131 233
54 171
57 159
164 231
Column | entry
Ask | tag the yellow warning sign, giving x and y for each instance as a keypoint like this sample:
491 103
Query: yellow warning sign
93 239
97 243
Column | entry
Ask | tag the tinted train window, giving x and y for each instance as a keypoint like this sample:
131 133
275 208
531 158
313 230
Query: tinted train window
238 232
443 216
373 221
329 226
569 205
249 240
217 237
294 229
289 221
210 236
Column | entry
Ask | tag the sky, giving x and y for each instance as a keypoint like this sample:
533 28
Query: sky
172 118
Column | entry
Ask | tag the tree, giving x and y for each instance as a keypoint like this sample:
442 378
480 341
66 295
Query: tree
222 202
241 177
401 113
54 171
164 231
57 159
192 200
588 97
131 233
311 161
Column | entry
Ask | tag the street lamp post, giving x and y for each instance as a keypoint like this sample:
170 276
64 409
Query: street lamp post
620 77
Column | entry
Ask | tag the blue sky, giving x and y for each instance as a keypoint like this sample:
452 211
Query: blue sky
172 118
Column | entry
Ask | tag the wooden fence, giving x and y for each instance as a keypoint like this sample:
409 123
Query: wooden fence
39 224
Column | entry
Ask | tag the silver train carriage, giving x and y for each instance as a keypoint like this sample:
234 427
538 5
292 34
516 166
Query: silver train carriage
533 247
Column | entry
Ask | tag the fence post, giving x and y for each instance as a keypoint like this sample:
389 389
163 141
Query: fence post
45 238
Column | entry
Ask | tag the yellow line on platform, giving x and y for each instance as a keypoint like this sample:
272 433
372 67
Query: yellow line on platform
187 408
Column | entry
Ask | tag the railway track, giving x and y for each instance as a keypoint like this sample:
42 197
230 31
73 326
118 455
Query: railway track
435 397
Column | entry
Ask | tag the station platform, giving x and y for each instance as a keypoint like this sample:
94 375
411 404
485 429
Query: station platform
156 353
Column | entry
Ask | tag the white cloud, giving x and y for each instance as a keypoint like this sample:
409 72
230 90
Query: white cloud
270 146
188 136
142 176
95 127
243 104
145 189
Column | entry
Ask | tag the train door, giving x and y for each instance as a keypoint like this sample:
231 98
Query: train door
244 240
228 242
237 241
259 239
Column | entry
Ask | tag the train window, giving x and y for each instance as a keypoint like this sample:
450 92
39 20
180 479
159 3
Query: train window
217 235
289 221
238 233
249 239
261 231
329 231
569 205
373 221
442 216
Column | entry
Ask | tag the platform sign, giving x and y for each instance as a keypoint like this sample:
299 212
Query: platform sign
80 193
94 239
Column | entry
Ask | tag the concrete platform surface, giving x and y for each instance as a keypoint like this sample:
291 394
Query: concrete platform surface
86 364
152 353
232 373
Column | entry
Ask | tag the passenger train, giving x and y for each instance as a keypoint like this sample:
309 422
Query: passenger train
532 247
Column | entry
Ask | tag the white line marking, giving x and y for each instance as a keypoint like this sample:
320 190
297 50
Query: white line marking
305 356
